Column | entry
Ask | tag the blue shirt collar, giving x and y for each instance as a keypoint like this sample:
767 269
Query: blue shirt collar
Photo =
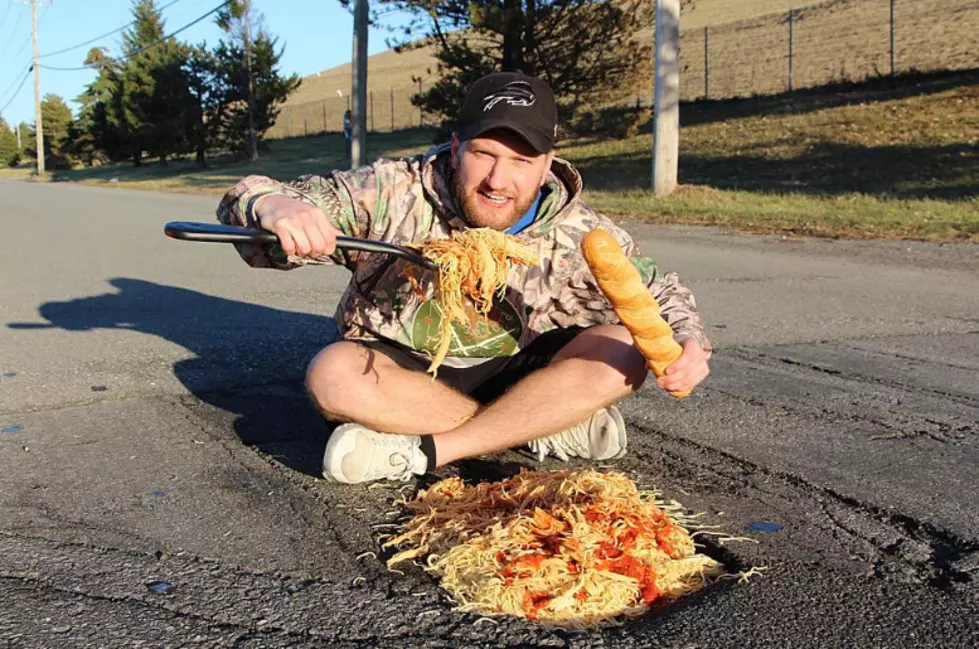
527 219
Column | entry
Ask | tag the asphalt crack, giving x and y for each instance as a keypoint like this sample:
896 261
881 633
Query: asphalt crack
946 550
770 360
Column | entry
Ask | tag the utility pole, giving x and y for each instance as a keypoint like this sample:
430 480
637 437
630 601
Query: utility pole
358 144
39 130
252 140
666 98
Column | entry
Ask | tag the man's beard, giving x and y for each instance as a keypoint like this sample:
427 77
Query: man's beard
472 208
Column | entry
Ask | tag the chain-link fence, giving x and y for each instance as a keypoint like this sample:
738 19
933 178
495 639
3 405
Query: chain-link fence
835 41
386 111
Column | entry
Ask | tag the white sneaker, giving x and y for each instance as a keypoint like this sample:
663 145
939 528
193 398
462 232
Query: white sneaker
600 437
358 454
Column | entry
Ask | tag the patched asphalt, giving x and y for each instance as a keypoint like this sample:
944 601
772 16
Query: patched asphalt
159 458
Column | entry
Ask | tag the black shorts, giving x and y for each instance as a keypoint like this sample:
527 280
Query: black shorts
488 380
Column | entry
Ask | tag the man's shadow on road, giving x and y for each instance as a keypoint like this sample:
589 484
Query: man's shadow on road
249 360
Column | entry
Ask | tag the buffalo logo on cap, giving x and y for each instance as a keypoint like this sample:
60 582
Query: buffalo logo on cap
515 93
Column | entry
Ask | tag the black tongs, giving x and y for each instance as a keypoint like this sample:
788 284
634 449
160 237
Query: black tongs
219 233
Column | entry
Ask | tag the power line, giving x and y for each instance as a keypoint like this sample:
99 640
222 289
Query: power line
20 17
26 42
148 47
2 20
98 38
12 84
16 92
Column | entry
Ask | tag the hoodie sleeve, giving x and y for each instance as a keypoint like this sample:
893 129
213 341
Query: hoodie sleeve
329 193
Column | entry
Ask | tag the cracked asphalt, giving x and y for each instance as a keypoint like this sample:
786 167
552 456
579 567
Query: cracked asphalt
158 456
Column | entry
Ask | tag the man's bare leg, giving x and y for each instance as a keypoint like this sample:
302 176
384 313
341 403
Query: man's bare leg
599 367
349 382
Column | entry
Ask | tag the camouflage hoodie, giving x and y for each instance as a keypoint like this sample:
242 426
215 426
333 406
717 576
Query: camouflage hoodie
410 200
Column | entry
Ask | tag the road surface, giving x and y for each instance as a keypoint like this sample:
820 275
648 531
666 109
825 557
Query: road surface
155 429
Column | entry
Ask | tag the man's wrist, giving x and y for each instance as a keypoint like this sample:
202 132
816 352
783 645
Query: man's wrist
254 211
699 337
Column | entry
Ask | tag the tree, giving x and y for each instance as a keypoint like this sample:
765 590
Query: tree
238 20
162 97
25 135
270 90
209 91
9 153
152 96
587 50
100 115
57 120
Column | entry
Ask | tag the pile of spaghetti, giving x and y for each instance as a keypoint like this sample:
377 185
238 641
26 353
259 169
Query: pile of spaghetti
571 548
473 264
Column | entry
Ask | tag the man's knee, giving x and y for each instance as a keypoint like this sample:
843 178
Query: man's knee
620 365
335 378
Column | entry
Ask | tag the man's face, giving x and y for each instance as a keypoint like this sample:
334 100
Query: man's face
497 177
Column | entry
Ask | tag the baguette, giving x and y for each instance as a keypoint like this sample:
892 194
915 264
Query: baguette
636 308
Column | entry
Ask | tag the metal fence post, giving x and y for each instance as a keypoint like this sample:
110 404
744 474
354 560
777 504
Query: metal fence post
392 109
892 38
372 109
420 123
706 63
791 41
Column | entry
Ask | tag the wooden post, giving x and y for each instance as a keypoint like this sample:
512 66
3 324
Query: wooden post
358 144
39 123
420 123
392 109
892 38
666 115
706 63
372 110
324 116
791 48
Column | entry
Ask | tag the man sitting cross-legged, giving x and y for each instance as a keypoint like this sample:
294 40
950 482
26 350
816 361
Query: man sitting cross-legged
545 368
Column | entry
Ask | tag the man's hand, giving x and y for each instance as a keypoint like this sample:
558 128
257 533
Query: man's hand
688 370
303 229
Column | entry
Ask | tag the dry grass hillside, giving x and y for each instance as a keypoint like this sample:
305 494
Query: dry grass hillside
728 49
317 106
389 69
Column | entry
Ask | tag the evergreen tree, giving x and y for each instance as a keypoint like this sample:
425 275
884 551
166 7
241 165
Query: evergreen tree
100 116
586 50
25 137
241 24
57 119
154 99
209 92
8 145
270 89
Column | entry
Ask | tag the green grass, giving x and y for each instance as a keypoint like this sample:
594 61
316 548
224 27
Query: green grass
285 159
875 160
842 216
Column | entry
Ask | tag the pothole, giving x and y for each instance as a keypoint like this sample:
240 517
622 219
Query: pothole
573 549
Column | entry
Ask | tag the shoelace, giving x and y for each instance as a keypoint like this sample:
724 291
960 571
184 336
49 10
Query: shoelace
402 463
560 443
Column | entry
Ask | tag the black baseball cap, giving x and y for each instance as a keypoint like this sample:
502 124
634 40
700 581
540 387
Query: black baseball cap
514 101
